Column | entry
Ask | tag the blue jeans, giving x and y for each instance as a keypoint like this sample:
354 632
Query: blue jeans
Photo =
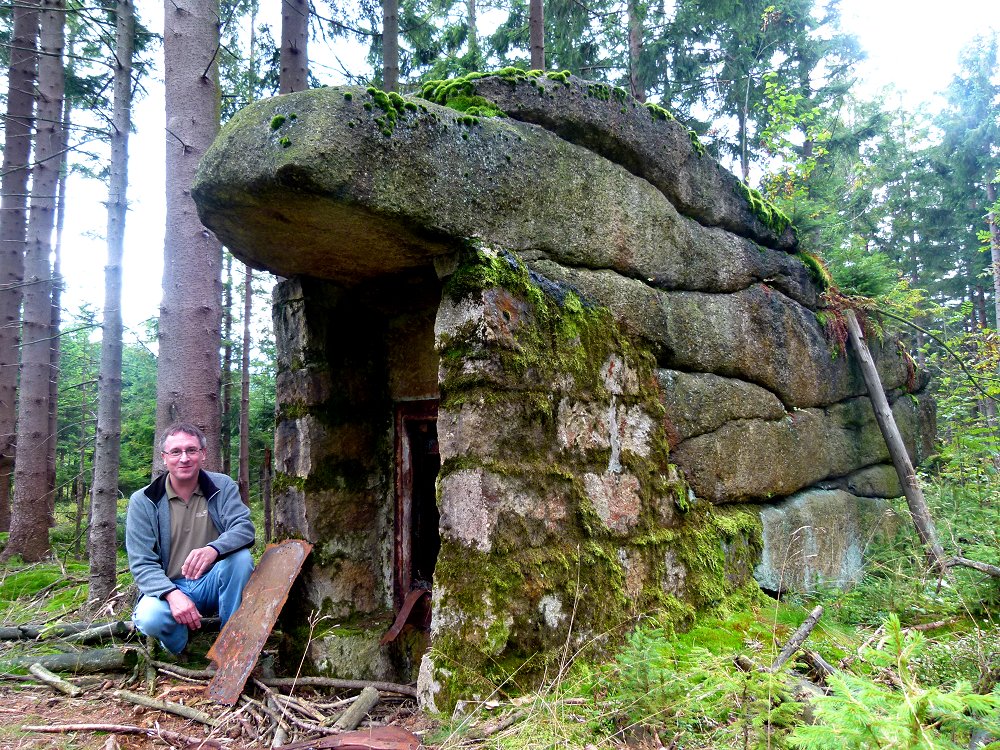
219 591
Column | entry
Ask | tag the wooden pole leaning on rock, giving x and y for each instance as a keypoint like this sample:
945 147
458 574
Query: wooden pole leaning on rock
915 501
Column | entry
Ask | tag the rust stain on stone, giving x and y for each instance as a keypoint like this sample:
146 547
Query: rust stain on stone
236 649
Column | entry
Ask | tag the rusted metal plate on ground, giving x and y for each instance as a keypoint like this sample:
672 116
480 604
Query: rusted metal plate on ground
376 738
236 649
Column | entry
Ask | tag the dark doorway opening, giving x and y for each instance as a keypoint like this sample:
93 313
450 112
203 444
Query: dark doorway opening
417 538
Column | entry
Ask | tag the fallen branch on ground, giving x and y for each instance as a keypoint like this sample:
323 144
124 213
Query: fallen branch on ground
54 680
797 639
990 570
287 682
97 660
99 632
358 710
168 706
331 682
152 732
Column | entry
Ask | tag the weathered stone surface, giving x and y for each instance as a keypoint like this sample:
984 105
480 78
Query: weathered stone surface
756 459
697 403
615 498
880 480
756 335
392 203
495 427
817 539
615 125
352 654
475 501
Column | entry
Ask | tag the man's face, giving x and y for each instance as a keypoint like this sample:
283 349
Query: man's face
183 456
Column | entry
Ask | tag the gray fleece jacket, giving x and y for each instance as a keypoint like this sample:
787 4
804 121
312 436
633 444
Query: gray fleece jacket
147 528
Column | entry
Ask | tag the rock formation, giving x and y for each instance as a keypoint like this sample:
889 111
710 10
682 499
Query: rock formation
554 362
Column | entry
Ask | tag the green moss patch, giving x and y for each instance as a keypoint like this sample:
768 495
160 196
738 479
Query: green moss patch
769 215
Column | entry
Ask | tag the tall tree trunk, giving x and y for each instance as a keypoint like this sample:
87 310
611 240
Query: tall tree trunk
979 296
244 480
472 24
107 452
188 371
741 121
991 196
265 495
227 367
55 345
18 127
919 512
635 51
390 45
536 34
29 528
294 40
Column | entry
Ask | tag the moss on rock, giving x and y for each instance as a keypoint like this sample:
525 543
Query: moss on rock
569 536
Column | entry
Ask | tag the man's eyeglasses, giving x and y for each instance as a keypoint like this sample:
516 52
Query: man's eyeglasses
178 452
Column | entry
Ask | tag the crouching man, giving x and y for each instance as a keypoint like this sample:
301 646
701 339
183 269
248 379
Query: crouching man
188 537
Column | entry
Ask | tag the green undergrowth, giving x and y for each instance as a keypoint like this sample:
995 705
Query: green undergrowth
688 690
916 661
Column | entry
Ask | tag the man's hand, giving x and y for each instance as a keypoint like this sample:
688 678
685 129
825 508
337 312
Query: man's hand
198 562
183 610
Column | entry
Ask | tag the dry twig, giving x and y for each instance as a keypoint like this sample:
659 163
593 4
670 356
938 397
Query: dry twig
153 732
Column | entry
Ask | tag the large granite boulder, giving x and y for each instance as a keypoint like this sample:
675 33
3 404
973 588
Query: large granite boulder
603 354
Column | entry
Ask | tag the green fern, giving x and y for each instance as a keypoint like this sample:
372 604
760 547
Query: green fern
888 708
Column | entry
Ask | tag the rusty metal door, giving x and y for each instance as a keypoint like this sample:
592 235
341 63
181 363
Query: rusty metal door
418 460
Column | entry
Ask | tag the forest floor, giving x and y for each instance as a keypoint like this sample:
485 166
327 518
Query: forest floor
23 704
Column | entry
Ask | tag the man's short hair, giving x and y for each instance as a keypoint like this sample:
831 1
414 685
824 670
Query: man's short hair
183 427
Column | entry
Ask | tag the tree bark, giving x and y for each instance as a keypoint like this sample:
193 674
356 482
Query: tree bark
18 127
57 682
244 475
919 511
358 710
30 521
390 45
635 51
107 452
472 26
536 34
227 368
294 74
991 196
97 660
55 344
188 370
265 495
